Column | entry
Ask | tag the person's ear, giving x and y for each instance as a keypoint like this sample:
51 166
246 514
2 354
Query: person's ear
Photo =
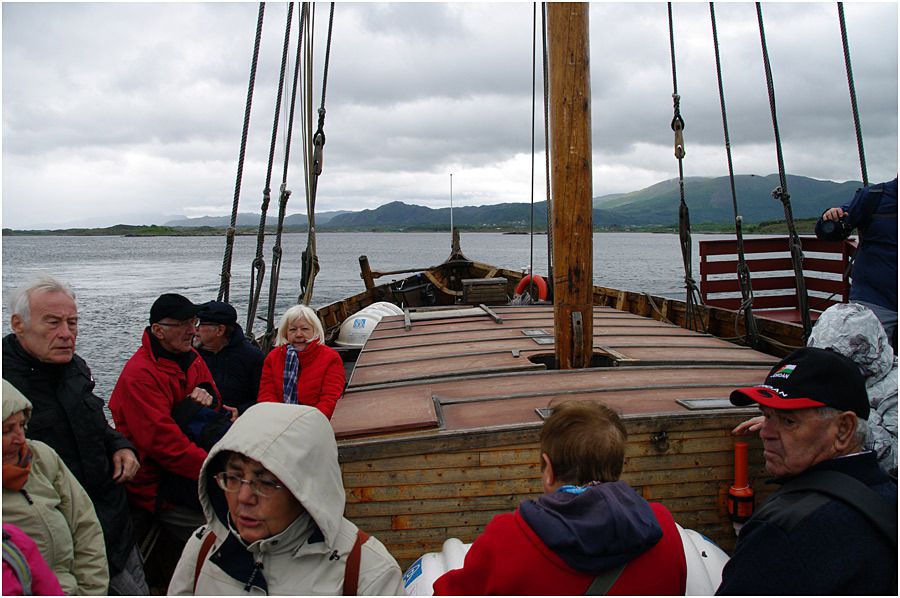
156 330
548 477
220 330
846 425
17 323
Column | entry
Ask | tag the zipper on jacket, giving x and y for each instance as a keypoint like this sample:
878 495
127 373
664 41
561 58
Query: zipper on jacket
253 574
27 497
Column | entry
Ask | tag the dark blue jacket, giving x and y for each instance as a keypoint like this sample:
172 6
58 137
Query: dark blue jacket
236 370
67 415
874 212
833 550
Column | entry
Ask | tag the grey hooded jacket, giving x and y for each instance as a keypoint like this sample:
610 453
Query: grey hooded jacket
296 443
855 332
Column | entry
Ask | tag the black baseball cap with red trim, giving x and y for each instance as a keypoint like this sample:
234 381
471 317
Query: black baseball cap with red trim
810 377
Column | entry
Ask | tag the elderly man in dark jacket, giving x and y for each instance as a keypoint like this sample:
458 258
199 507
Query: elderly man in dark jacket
39 359
235 364
832 526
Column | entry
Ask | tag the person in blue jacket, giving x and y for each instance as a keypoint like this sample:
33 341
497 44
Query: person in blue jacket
235 364
874 278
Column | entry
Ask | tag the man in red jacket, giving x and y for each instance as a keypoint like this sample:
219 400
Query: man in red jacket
164 372
587 528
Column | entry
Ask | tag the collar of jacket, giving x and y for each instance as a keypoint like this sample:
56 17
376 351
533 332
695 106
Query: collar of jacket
158 353
53 371
241 560
862 466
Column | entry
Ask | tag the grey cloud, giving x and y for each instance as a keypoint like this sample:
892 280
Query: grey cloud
145 101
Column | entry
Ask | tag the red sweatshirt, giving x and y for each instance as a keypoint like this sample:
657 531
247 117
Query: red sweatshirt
509 558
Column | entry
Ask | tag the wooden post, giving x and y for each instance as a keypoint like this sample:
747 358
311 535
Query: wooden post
571 182
365 272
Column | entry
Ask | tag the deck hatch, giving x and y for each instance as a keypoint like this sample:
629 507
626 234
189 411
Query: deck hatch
699 404
539 336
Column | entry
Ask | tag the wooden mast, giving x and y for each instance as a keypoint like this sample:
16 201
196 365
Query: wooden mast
571 182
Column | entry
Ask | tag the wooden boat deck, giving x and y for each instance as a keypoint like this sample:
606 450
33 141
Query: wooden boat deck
438 430
472 372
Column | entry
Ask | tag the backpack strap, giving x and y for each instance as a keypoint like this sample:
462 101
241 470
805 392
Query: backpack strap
208 542
351 572
852 492
603 582
13 557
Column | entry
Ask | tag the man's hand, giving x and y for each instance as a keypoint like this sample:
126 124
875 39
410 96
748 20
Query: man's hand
751 425
232 410
834 214
201 396
125 465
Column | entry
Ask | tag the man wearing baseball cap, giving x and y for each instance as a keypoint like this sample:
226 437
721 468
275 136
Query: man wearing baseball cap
235 364
831 528
164 371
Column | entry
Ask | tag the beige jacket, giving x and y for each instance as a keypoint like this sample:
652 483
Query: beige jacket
296 443
56 512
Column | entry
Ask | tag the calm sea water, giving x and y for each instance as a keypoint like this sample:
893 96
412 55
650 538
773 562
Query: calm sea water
116 279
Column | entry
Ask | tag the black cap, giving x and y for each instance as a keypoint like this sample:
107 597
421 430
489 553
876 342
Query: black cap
810 377
172 305
218 312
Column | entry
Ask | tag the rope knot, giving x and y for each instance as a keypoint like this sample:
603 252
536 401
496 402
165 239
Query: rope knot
781 195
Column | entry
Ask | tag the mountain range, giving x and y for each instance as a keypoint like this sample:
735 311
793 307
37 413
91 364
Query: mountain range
709 200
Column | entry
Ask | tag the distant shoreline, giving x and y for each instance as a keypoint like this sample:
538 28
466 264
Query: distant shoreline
805 226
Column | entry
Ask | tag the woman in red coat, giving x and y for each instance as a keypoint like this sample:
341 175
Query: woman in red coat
301 369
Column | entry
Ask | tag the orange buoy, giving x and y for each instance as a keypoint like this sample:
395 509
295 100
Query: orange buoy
539 283
740 496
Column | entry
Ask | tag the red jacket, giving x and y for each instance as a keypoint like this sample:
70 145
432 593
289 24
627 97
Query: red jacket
510 559
321 382
141 405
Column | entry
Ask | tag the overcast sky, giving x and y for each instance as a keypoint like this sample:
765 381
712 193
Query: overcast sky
132 113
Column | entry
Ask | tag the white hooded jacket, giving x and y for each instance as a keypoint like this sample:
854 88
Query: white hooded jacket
296 443
854 331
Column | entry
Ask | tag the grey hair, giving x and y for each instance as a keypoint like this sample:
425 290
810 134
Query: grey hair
862 436
298 312
20 299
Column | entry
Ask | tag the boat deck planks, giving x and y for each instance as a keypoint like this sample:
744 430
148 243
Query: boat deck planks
445 347
438 430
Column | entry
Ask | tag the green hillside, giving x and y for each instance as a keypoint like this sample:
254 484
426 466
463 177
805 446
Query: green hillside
709 200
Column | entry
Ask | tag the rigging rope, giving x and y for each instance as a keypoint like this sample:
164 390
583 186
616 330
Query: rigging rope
277 252
781 193
547 146
224 285
531 285
751 332
693 318
852 86
259 263
310 261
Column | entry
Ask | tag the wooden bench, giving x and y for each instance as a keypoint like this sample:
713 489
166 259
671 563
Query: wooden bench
825 273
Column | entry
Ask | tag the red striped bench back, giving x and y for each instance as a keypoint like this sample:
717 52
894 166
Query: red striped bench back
772 275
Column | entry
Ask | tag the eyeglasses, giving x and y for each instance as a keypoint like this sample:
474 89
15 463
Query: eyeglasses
185 324
232 483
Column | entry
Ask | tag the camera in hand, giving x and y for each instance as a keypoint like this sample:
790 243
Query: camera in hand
831 230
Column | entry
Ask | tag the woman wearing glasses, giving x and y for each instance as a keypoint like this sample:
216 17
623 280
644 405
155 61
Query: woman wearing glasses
274 505
301 369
